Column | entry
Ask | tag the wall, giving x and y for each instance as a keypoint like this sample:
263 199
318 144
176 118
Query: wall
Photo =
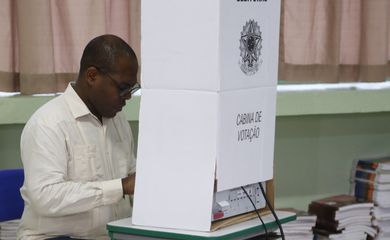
9 144
314 154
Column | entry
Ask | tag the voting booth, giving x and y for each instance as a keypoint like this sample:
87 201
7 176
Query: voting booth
207 113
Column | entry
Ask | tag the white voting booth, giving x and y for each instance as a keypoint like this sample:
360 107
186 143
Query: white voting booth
209 75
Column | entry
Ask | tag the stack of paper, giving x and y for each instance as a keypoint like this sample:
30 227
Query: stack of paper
301 228
381 221
342 217
8 229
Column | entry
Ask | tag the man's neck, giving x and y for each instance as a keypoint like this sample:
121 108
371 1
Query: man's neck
84 97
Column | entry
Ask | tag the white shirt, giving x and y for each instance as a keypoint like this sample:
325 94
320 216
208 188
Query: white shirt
73 168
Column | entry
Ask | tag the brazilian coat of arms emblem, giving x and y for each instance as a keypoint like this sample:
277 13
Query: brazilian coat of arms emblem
250 48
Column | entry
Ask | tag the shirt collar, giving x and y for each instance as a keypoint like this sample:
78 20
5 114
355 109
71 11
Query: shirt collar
76 105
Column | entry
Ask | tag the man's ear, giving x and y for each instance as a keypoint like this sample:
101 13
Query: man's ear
91 75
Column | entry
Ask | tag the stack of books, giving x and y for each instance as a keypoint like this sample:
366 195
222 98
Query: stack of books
301 228
342 217
8 229
371 182
382 222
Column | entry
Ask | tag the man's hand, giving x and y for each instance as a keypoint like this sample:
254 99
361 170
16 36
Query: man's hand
128 184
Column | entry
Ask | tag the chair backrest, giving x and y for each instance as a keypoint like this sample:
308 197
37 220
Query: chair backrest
11 202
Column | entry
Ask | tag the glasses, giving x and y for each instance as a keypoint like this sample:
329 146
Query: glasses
123 91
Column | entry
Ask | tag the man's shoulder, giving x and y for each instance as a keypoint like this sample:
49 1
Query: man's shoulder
51 112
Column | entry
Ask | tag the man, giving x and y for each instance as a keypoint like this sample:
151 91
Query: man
77 150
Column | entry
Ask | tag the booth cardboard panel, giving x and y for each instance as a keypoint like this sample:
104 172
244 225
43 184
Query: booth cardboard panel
176 159
179 42
210 45
248 30
246 131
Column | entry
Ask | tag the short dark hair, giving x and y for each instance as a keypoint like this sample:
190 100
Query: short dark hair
104 51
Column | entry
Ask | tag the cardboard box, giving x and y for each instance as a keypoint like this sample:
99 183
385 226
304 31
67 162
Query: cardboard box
210 45
209 75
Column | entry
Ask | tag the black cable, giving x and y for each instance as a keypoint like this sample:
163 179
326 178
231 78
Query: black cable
257 212
273 212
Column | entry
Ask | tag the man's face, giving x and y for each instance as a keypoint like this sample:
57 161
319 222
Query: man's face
110 94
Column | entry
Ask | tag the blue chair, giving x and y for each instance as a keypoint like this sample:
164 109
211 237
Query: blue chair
11 202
